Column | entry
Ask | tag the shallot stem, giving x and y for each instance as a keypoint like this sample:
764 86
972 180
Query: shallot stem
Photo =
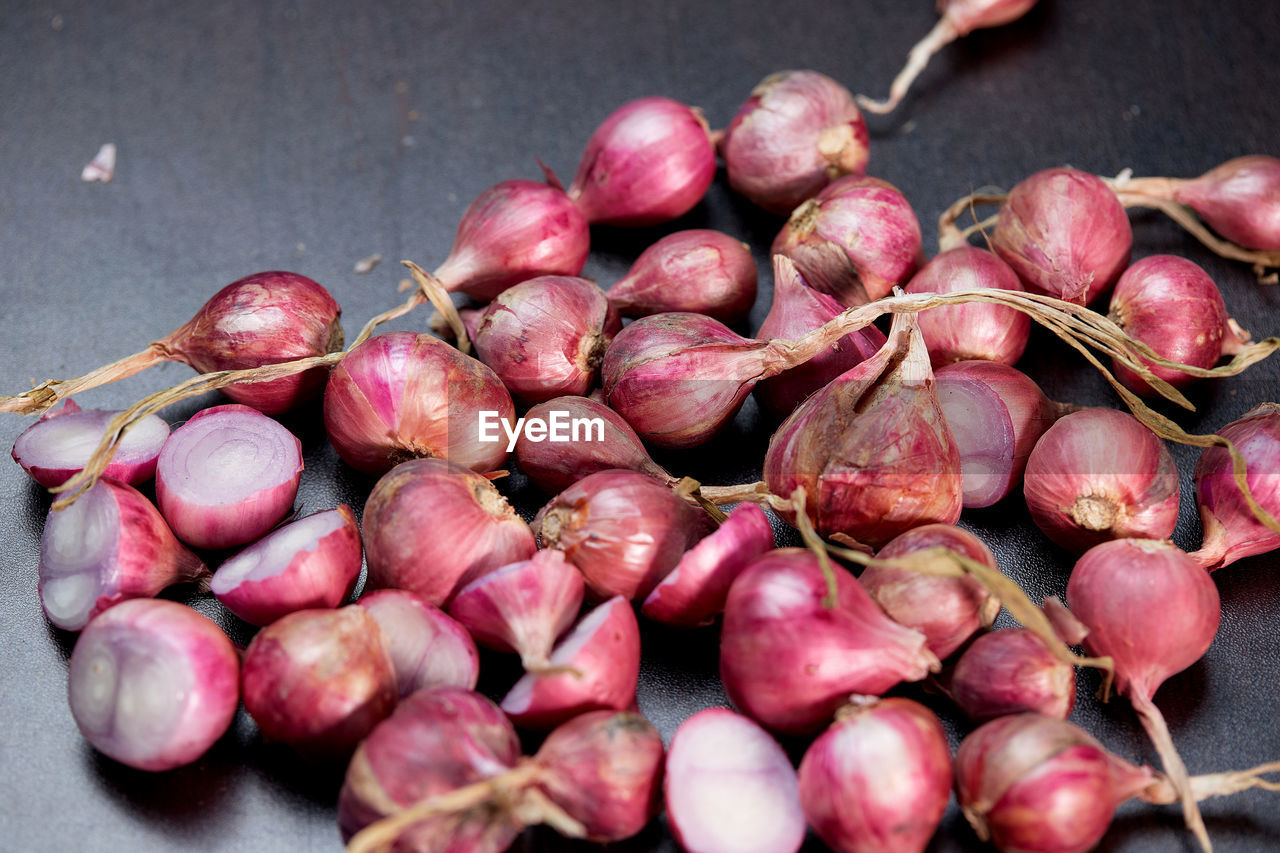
691 490
943 33
430 287
1234 781
49 393
1153 721
949 236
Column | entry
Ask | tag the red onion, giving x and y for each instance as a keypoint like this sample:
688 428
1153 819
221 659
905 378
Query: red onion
152 684
309 563
1154 611
878 779
522 607
401 395
1099 474
796 310
1011 672
854 240
545 337
797 132
59 445
599 663
1240 199
996 414
623 530
429 524
514 231
649 162
947 610
959 18
1172 306
700 271
974 330
1231 531
1065 234
319 680
871 449
729 788
109 546
427 648
226 476
694 593
555 466
788 661
261 319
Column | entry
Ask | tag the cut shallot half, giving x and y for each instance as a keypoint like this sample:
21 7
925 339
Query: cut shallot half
59 445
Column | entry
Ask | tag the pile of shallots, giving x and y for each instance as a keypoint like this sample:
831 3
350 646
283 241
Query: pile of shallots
883 438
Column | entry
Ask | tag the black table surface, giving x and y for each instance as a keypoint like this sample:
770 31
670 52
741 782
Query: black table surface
307 135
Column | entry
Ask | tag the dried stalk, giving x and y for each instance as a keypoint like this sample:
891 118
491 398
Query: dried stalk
49 393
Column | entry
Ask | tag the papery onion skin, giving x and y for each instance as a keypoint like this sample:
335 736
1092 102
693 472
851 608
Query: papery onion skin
1099 474
428 524
1240 199
428 649
514 231
1065 234
1231 531
699 270
399 395
133 644
1012 671
879 779
947 610
319 681
649 162
975 330
855 240
797 132
545 337
58 446
196 476
789 662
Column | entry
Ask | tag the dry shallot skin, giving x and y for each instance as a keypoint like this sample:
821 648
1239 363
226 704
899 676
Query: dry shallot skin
605 769
1012 672
872 448
402 395
879 779
969 15
523 607
996 414
694 593
797 132
545 337
649 162
599 663
319 681
1231 531
624 531
428 649
1099 474
437 740
110 545
153 684
59 444
1065 234
855 240
1239 199
975 330
789 662
431 525
798 309
555 466
678 378
947 610
729 787
513 231
699 270
1173 306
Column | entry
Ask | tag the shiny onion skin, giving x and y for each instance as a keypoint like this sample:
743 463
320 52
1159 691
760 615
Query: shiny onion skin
699 270
1240 199
975 330
428 649
400 395
1012 671
797 132
1231 532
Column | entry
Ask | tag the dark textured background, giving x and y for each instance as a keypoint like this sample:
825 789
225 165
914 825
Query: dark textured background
306 135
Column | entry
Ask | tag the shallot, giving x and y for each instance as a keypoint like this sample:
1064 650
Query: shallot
1099 474
153 684
427 648
699 270
430 525
975 330
59 445
1231 530
797 132
1010 672
226 476
109 546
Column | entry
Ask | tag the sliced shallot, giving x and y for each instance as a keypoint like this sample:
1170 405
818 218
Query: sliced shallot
59 445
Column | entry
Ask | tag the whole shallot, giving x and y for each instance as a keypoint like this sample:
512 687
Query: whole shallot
699 270
1231 529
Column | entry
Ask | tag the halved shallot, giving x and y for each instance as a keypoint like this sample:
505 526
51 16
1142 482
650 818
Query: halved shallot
59 445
